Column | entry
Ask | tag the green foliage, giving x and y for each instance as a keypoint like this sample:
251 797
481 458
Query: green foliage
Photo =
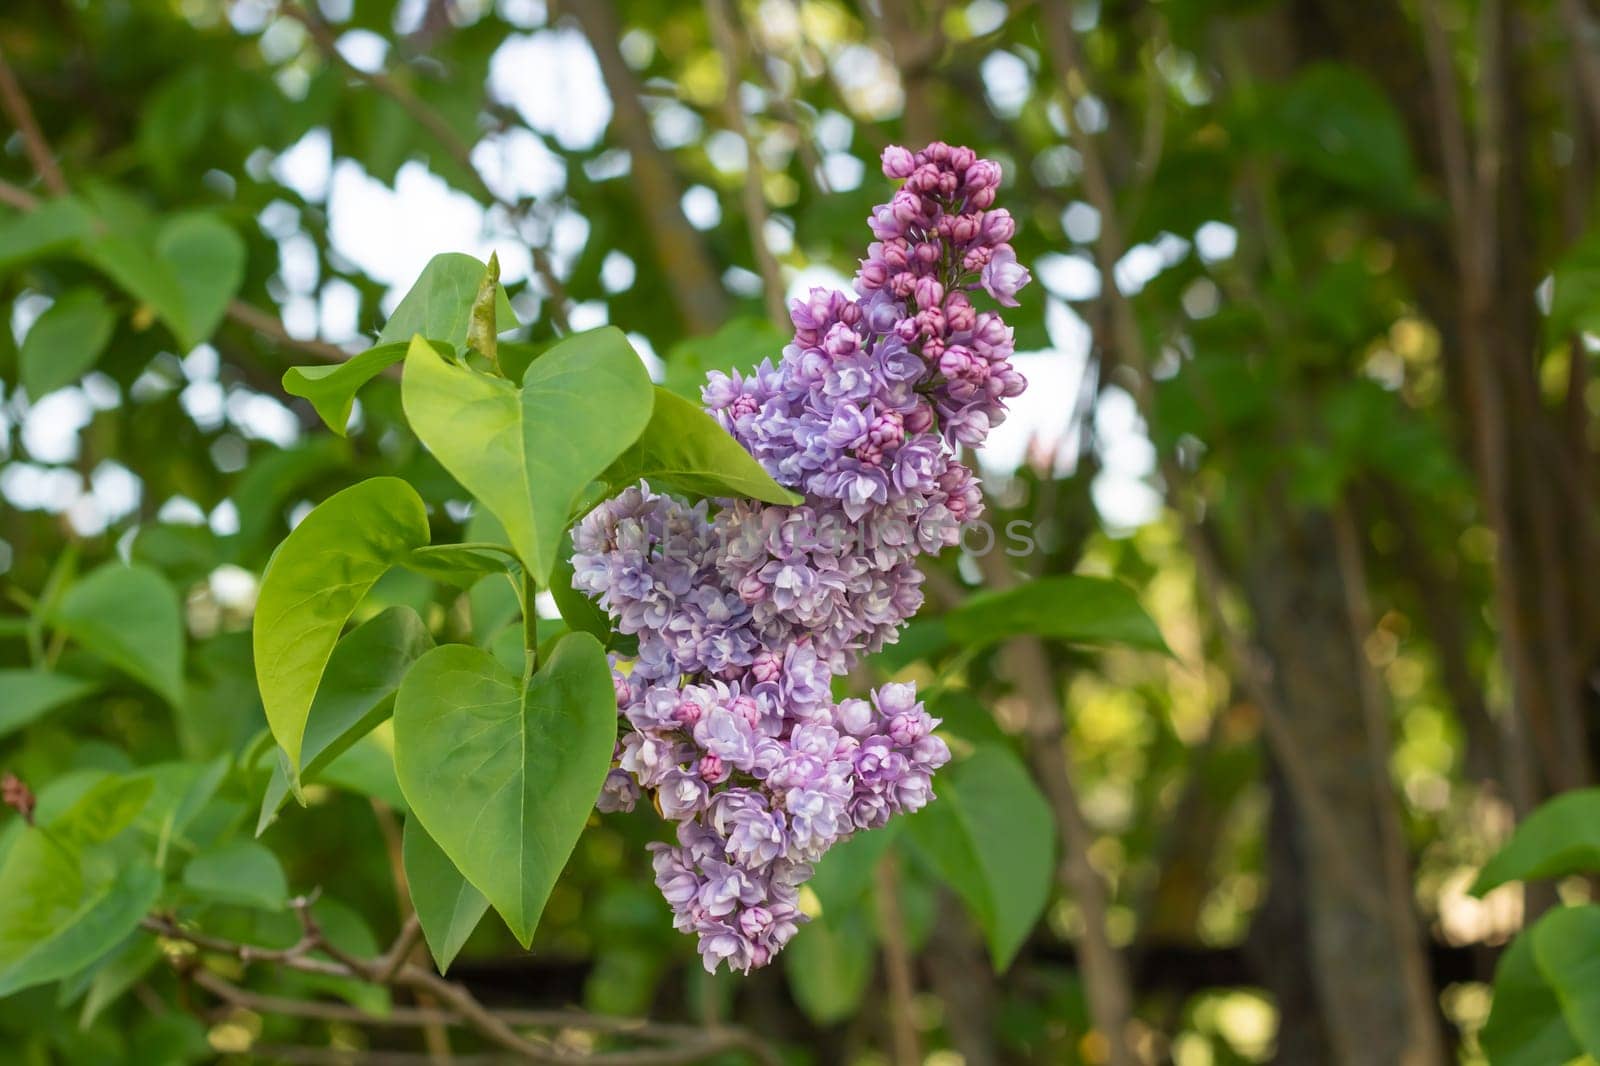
1575 297
447 905
332 389
65 342
682 449
528 453
1547 984
1561 837
503 771
1525 1027
1566 946
355 694
1081 610
317 579
439 304
73 889
31 694
241 872
129 617
991 837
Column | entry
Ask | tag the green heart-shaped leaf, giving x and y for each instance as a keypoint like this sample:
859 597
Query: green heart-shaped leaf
528 453
684 449
65 342
1070 607
318 577
502 772
207 260
130 617
448 907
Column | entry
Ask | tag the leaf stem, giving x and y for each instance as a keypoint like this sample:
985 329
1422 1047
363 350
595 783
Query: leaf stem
530 623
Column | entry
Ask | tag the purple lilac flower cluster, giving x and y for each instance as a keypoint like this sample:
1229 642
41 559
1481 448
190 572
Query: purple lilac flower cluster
744 616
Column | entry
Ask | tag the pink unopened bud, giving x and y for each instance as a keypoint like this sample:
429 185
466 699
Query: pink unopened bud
897 162
711 769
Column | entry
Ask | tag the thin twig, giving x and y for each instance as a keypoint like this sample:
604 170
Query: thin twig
459 151
680 250
16 106
898 977
721 19
458 1007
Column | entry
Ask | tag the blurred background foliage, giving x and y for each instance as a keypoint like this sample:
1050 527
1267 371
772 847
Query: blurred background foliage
1311 354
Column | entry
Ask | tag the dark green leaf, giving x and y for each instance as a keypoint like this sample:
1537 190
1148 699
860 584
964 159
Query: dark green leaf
70 897
27 695
684 449
130 617
206 258
241 872
1561 837
503 773
829 964
460 564
448 907
991 836
1081 610
1525 1026
52 227
65 342
356 693
1566 947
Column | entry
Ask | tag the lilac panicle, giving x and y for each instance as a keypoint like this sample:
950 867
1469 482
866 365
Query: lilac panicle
746 613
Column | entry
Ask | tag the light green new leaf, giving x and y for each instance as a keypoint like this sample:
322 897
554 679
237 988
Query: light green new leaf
448 907
439 305
356 693
70 896
332 389
1561 837
316 580
1525 1025
1566 947
65 342
27 695
527 454
991 836
1082 610
240 872
503 773
685 450
206 258
130 617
